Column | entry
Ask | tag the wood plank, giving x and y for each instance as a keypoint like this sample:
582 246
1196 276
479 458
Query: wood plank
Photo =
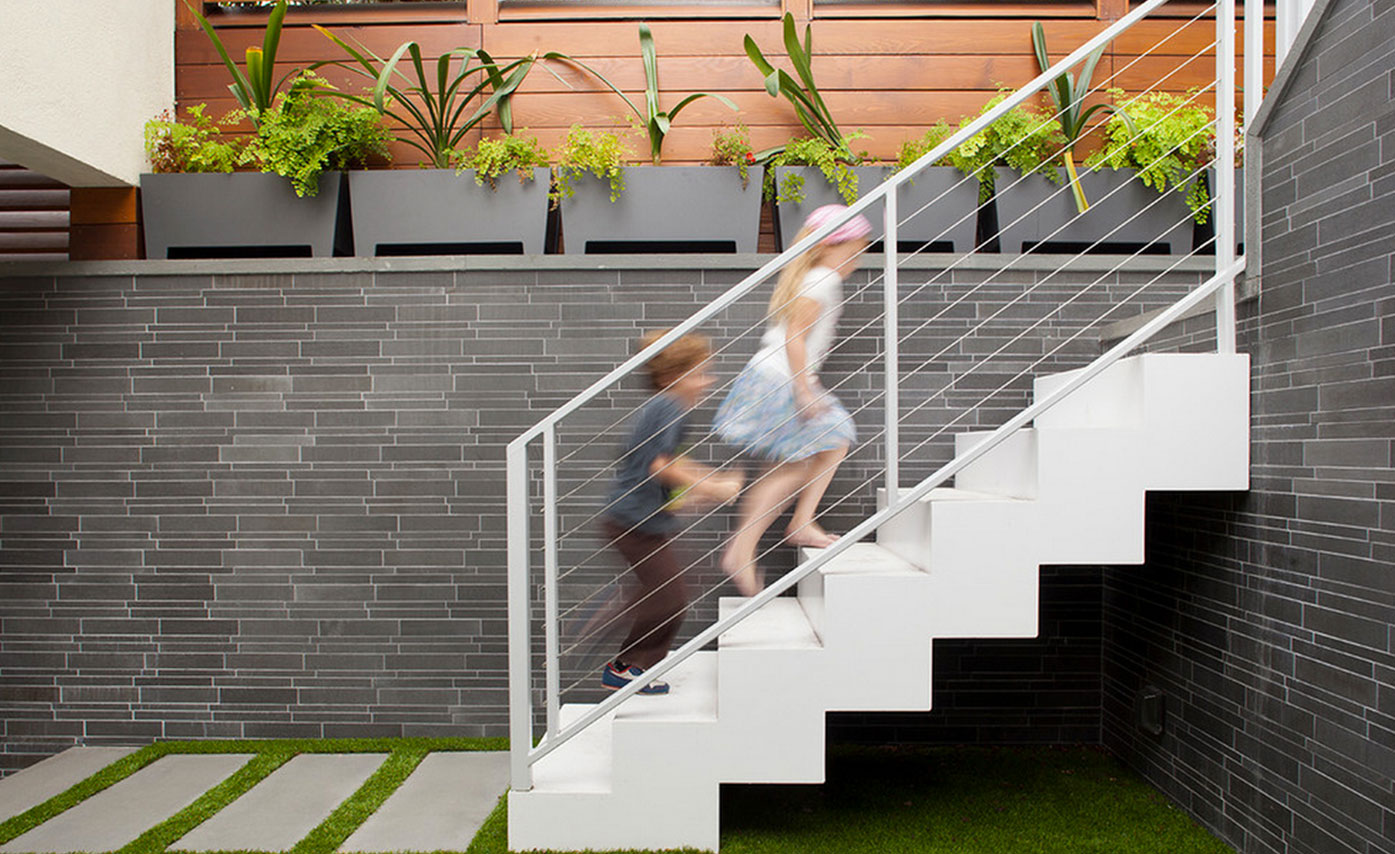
117 242
1043 11
33 241
588 12
33 200
34 220
303 45
419 12
599 38
23 179
97 205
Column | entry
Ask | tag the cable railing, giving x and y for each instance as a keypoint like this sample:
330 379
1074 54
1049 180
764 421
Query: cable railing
985 364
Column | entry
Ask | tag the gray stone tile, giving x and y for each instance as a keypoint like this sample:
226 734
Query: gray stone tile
115 816
38 783
439 807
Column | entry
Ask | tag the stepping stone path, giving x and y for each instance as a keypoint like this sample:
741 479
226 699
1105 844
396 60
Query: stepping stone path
117 815
439 807
288 804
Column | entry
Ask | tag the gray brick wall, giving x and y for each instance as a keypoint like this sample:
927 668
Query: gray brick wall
1266 617
260 505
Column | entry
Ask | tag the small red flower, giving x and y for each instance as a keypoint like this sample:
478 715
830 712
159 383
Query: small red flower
750 157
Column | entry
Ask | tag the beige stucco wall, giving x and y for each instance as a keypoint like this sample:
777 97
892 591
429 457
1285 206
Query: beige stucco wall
81 79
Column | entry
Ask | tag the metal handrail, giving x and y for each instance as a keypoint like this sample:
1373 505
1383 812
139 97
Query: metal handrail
881 192
893 509
1221 285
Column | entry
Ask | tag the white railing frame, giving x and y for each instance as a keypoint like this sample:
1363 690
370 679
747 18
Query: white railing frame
1221 285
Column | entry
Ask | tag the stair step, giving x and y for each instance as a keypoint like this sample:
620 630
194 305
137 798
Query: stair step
692 695
782 624
583 764
864 559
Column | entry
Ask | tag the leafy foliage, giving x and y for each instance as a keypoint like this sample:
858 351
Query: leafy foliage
913 149
1168 139
802 94
256 88
306 133
816 152
733 148
602 153
195 145
493 157
1023 139
1068 96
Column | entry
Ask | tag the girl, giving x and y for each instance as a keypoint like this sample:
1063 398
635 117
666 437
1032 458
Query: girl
777 409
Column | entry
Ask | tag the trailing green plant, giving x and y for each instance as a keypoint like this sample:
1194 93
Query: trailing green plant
305 133
733 148
1022 139
194 145
491 158
601 153
913 149
1068 96
255 89
816 152
1168 138
802 94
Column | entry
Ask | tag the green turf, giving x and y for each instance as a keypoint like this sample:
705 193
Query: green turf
950 801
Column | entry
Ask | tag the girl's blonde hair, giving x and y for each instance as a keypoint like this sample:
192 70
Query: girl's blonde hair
792 277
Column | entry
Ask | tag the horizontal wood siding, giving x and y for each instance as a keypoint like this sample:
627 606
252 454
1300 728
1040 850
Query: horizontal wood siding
33 215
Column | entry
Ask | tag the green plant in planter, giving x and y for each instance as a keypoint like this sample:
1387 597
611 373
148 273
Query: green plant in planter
815 151
657 122
733 148
1168 138
1022 139
492 158
255 89
1068 96
195 145
305 133
913 149
602 153
802 94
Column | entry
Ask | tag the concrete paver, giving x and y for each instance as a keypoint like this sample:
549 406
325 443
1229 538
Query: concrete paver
37 783
280 810
117 815
439 807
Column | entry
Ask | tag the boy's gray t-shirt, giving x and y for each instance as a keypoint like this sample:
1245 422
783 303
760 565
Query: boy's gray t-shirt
637 497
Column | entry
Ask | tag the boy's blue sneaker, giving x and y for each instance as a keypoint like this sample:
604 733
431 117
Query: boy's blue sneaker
615 679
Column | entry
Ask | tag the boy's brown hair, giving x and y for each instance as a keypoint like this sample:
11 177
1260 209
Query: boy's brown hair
675 360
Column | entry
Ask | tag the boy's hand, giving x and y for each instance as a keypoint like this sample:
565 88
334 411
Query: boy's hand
725 487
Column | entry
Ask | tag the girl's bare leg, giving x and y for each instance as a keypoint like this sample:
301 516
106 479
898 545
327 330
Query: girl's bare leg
764 500
802 529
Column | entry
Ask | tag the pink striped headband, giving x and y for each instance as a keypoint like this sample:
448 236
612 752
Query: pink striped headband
856 228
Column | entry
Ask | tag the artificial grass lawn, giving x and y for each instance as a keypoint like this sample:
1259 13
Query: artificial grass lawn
949 801
404 754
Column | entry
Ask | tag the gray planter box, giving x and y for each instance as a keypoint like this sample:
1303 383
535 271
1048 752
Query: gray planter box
1033 211
437 212
789 216
670 208
239 214
949 221
1205 233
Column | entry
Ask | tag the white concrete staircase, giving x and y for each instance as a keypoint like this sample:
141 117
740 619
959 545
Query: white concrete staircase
960 563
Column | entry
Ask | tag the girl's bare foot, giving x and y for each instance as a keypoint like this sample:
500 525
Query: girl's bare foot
743 573
810 535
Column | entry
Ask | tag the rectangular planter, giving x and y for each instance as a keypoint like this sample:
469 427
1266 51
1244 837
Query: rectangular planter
789 216
949 220
439 212
665 208
1205 233
241 215
1036 215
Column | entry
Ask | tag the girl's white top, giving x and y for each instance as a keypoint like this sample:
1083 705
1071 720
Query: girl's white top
824 286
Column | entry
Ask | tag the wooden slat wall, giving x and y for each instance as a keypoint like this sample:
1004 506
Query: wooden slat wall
33 216
889 70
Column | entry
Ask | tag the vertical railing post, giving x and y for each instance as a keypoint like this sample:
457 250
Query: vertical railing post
520 687
890 286
553 678
1254 95
1225 172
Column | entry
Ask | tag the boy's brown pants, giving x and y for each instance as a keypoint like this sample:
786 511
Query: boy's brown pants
660 601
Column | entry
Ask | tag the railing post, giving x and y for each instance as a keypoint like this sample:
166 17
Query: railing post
520 699
550 646
1224 209
890 287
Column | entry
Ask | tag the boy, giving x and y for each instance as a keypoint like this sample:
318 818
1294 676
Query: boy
639 522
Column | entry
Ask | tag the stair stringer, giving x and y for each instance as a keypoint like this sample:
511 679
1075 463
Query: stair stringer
963 562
